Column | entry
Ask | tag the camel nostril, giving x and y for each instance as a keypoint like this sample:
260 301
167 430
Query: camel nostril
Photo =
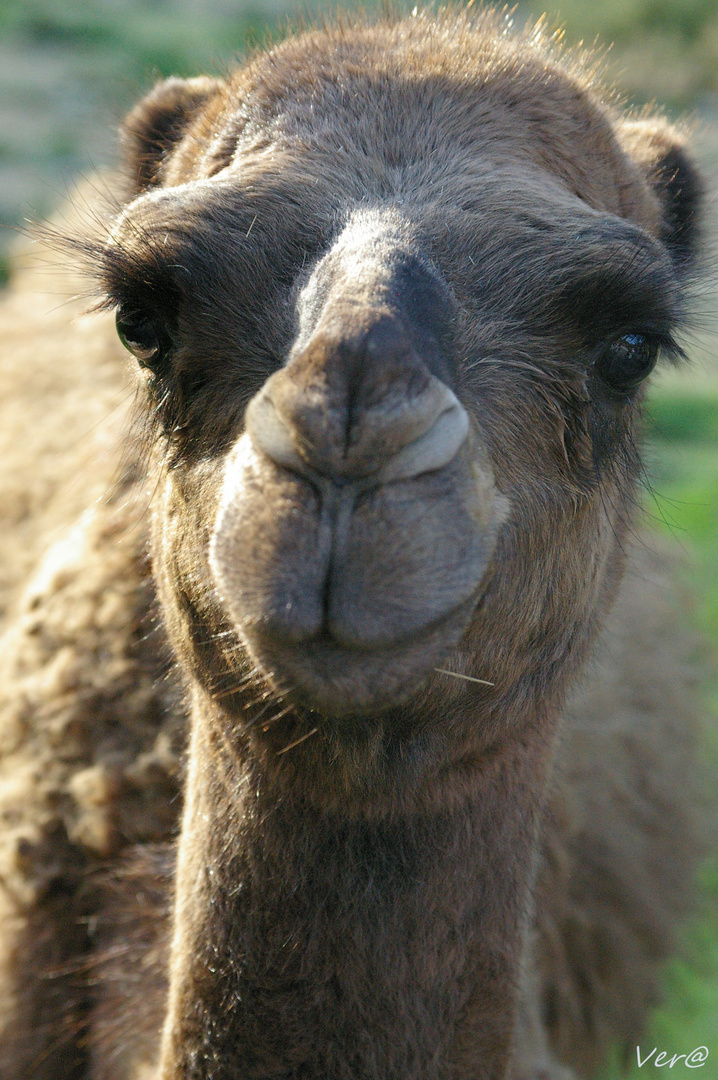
433 449
270 433
390 441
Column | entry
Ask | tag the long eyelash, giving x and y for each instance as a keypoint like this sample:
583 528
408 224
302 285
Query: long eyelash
669 347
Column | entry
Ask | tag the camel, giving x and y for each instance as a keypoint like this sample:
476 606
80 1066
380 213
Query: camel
351 732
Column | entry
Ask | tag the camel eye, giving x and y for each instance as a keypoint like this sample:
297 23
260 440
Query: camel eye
627 361
143 335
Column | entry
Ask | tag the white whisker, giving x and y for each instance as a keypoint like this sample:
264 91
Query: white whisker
298 741
468 678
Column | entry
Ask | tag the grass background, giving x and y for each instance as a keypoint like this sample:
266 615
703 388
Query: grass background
68 72
682 458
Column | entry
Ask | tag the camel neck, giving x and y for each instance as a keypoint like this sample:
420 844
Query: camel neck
315 943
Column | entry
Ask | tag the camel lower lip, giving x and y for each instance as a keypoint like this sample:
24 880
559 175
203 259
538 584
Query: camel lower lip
335 680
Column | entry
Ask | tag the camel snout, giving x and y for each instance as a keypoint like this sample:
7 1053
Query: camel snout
358 407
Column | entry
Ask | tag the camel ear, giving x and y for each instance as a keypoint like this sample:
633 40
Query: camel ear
660 152
159 121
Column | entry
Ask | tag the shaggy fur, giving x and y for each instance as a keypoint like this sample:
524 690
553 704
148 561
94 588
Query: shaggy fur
394 290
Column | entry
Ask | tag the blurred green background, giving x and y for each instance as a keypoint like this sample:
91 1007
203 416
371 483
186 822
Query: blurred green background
69 69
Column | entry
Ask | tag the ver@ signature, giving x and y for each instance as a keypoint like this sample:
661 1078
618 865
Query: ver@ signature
695 1060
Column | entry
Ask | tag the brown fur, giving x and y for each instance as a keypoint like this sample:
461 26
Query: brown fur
383 265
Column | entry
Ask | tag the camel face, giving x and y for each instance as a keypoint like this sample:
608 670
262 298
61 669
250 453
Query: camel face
384 353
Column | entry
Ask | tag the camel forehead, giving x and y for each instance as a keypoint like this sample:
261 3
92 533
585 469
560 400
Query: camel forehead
457 70
413 107
488 150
